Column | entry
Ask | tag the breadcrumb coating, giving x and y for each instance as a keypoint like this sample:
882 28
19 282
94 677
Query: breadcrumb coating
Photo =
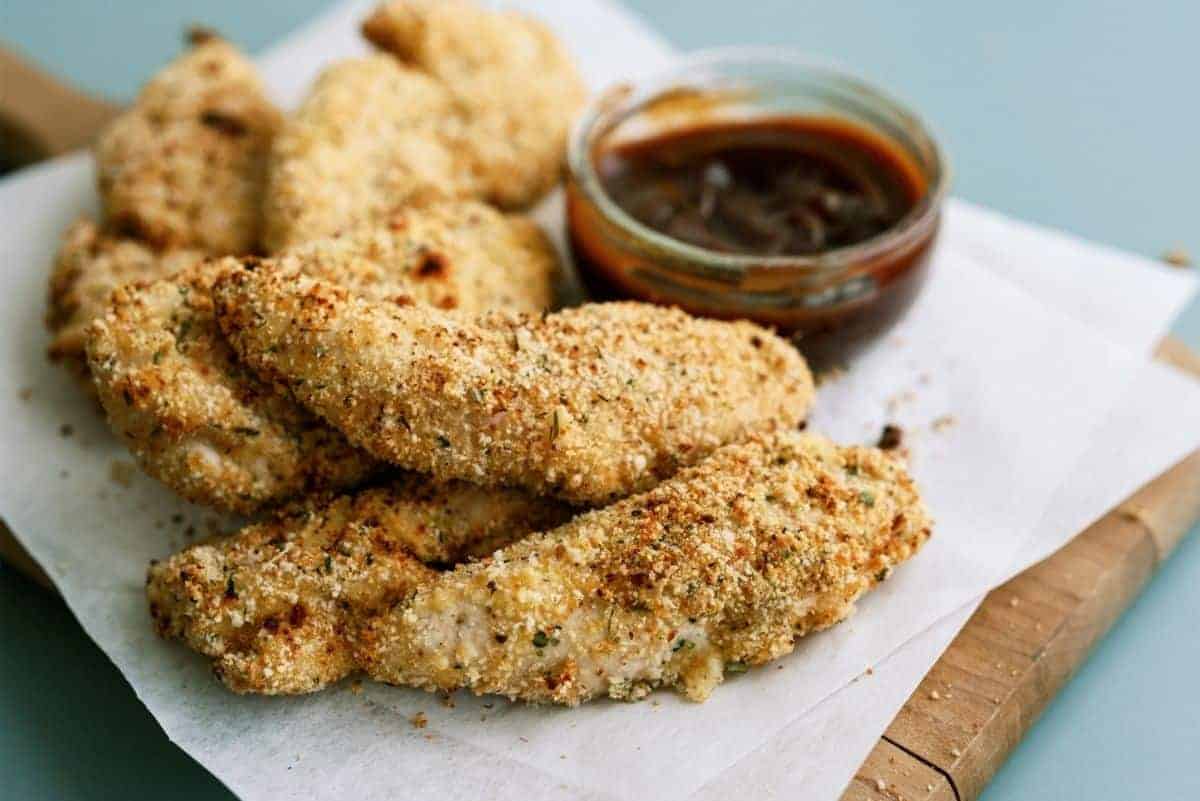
202 424
89 265
466 103
275 605
193 416
511 78
185 166
722 567
460 255
588 404
363 144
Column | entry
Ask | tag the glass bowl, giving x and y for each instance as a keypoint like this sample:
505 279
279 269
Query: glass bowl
831 303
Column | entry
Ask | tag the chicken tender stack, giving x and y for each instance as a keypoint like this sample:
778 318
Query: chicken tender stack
278 313
185 166
194 417
589 404
722 567
201 423
275 605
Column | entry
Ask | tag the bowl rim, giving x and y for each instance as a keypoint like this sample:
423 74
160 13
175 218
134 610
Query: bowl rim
583 174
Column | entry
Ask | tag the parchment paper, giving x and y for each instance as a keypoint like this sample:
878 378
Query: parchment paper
816 756
1132 302
1002 396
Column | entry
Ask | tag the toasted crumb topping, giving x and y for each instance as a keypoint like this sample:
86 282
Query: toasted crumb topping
276 604
185 165
587 404
89 265
203 424
193 416
513 82
718 569
360 147
460 255
466 103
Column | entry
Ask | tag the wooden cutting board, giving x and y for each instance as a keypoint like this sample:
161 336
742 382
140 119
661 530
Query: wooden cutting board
1019 648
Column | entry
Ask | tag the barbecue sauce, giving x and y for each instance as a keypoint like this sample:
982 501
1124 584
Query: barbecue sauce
777 187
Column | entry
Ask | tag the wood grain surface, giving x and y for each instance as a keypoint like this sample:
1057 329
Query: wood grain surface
1014 654
41 116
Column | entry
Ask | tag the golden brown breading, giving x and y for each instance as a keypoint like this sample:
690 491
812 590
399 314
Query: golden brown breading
587 404
722 567
90 264
362 145
185 166
276 604
460 255
479 108
193 416
212 431
514 81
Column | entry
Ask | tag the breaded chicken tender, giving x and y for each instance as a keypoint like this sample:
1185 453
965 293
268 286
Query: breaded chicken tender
460 255
211 430
513 80
185 166
276 605
467 103
722 567
193 416
365 143
90 264
588 404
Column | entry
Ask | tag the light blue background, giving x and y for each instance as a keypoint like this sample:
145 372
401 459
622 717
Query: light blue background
1082 115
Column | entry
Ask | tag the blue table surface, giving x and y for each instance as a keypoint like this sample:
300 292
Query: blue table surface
1080 114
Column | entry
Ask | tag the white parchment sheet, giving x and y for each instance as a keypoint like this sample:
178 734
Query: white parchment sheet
1008 377
815 756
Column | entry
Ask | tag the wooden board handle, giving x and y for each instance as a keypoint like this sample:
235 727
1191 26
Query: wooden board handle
41 116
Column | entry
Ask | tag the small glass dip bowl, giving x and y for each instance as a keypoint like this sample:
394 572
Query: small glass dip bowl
831 302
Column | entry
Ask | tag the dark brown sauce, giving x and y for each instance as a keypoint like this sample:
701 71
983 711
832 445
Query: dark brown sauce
783 188
776 187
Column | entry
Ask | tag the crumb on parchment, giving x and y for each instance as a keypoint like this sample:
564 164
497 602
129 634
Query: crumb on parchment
1177 257
419 721
122 471
900 399
891 437
944 423
829 375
